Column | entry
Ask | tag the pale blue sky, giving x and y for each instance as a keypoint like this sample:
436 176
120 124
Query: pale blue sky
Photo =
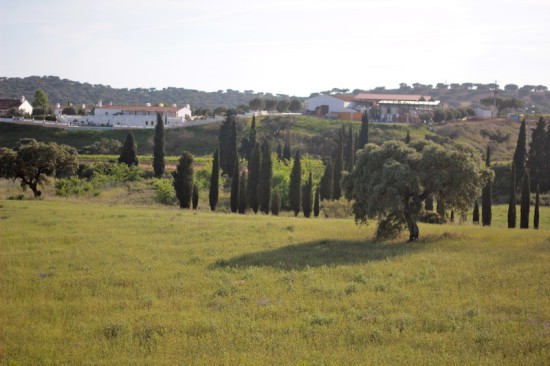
280 46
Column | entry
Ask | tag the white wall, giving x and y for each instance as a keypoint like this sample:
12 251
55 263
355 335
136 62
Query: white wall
334 104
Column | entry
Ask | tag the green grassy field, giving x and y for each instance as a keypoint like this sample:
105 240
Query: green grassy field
88 283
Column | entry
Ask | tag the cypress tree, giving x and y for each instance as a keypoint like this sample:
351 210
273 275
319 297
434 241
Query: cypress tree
214 180
243 205
279 152
248 143
195 196
252 186
316 203
520 154
338 167
512 199
275 203
452 215
228 143
545 174
234 201
535 158
349 152
128 154
486 214
525 201
537 214
295 188
266 175
306 197
441 208
475 216
183 179
286 148
158 149
429 203
408 138
326 182
364 132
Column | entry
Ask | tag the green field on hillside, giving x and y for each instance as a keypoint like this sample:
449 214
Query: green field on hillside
88 283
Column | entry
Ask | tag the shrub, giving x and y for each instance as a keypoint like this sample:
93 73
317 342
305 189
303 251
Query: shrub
164 191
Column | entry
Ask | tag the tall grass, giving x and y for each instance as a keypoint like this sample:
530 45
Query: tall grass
86 283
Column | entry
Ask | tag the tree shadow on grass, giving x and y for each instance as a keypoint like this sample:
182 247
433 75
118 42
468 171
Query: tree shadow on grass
321 253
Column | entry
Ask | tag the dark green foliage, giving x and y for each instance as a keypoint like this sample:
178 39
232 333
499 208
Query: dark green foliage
228 143
248 143
338 167
326 182
364 132
214 180
254 165
195 196
512 199
429 203
128 154
525 201
520 155
183 180
452 215
475 216
349 152
536 216
306 196
536 159
316 203
266 175
275 203
158 149
243 204
545 178
408 138
440 207
234 201
286 148
279 152
295 188
486 214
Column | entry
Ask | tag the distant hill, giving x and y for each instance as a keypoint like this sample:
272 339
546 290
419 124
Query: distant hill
535 97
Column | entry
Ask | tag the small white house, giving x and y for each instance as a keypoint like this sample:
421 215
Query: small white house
338 106
133 116
22 105
484 113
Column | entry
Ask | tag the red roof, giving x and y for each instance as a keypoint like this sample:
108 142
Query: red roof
405 97
344 97
141 108
9 103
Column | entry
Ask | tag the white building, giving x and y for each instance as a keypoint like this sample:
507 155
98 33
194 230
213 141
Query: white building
133 116
22 105
337 106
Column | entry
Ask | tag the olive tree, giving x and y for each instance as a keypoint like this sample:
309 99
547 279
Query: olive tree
32 162
389 182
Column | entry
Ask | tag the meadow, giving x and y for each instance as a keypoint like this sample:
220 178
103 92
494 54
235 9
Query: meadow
91 283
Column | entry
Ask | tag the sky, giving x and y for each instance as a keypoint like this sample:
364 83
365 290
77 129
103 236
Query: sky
293 47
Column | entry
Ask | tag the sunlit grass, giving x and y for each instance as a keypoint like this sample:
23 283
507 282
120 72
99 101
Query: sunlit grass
87 283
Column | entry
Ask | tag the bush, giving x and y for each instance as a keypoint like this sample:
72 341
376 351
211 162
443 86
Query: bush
390 227
73 186
164 191
337 209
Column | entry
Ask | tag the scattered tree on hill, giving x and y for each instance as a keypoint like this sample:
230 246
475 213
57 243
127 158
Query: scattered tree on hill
306 197
158 149
195 196
275 203
520 154
252 187
40 102
248 143
183 180
439 115
234 201
228 143
282 105
475 216
486 214
270 104
390 182
295 105
31 162
243 205
408 138
536 159
128 154
286 148
349 151
512 199
536 216
501 103
257 104
363 138
316 205
338 167
326 182
266 175
525 201
295 188
214 180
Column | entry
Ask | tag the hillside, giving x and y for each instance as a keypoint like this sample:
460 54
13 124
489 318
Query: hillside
536 98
